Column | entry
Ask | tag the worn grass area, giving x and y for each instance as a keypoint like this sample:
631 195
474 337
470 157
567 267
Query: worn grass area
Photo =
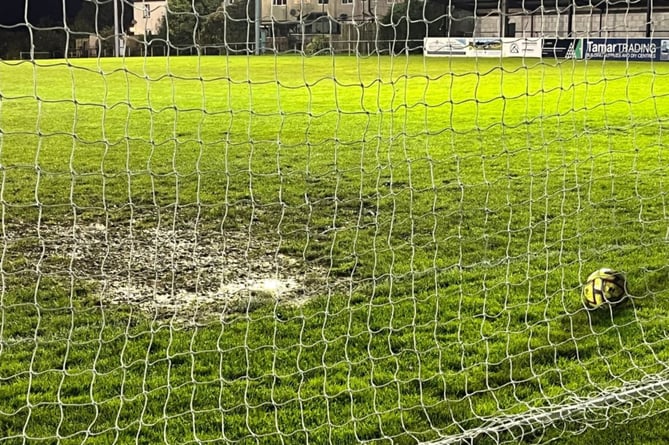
454 208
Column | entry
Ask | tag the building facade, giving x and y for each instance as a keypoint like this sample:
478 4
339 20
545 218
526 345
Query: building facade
586 22
148 16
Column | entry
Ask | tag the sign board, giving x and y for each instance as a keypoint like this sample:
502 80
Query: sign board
626 49
485 47
562 48
521 47
482 47
629 49
445 46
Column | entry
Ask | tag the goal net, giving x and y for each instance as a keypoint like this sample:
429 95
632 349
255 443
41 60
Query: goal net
332 221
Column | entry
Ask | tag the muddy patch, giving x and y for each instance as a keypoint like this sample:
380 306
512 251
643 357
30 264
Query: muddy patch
187 273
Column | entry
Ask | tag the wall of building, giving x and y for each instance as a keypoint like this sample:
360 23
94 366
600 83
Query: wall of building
347 10
631 24
147 16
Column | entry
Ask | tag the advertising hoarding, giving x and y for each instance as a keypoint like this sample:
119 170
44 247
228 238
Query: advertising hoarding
482 47
485 47
562 48
626 49
446 46
521 47
629 49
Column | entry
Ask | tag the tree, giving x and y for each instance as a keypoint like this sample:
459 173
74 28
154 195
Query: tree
12 42
208 22
96 17
49 37
185 20
406 24
93 16
230 24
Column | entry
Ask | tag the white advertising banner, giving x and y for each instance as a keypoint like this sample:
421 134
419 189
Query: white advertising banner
446 46
522 47
482 47
485 47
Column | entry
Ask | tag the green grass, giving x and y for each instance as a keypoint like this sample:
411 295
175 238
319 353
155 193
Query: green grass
466 202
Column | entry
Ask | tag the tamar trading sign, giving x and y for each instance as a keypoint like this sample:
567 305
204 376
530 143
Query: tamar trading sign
626 49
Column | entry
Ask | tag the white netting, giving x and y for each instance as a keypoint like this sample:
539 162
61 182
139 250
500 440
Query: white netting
303 222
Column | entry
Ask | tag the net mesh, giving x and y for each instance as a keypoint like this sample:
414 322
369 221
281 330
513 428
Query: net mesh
336 240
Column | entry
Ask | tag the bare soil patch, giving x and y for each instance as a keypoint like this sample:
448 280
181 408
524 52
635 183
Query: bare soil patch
187 273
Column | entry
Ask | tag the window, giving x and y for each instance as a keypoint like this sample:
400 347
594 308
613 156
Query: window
146 13
346 2
279 2
323 2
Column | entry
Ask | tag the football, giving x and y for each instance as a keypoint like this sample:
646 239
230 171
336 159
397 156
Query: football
604 286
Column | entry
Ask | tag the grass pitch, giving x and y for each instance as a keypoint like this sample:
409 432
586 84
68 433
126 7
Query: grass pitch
454 208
